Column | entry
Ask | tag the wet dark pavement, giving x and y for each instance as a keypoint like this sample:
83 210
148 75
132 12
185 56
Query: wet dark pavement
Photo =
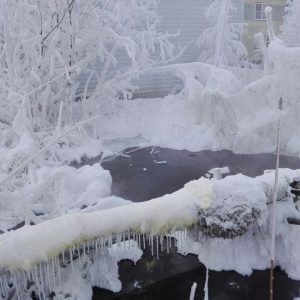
150 173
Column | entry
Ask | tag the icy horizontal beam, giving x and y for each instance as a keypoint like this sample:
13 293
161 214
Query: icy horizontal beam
207 205
27 246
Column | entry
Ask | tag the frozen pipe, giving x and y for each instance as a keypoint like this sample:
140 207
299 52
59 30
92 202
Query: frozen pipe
268 13
30 245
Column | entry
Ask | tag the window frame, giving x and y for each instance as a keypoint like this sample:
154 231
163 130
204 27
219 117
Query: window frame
262 12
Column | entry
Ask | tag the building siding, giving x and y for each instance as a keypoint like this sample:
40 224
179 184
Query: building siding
185 16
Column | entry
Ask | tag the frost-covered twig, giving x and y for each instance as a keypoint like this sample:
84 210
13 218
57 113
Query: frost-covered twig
38 88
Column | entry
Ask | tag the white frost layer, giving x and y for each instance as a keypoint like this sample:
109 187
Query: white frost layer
24 248
252 250
203 190
46 240
53 191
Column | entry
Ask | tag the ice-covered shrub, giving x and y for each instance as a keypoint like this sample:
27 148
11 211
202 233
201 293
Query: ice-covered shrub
46 45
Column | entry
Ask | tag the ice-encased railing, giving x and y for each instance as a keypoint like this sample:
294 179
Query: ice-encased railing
38 255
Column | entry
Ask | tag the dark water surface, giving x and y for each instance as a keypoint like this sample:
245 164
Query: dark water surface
140 178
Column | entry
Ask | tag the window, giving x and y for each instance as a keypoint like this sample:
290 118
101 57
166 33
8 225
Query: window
260 11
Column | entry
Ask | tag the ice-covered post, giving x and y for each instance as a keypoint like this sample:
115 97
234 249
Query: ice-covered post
273 218
222 23
268 13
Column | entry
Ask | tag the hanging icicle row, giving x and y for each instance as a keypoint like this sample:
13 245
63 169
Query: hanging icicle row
47 275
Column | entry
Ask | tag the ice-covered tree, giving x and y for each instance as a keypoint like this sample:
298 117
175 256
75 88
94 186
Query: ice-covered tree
45 45
220 43
290 29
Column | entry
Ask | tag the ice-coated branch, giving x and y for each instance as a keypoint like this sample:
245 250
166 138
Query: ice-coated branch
70 7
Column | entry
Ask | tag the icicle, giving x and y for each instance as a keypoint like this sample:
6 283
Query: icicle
134 242
4 283
167 244
63 256
78 251
20 284
96 246
144 242
129 244
139 241
176 238
119 240
88 249
71 260
48 278
35 279
29 275
2 289
84 245
152 245
58 269
193 290
15 284
53 274
102 244
206 286
24 277
41 281
109 241
157 247
161 243
44 272
179 240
